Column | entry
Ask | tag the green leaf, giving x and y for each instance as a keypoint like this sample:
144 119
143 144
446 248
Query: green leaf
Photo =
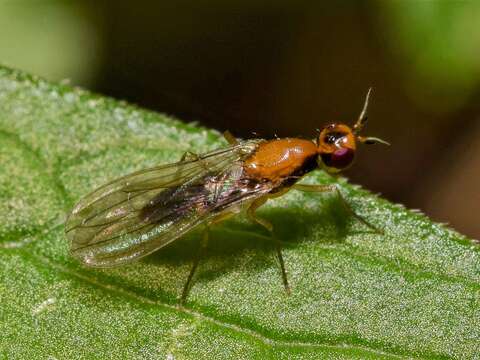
413 292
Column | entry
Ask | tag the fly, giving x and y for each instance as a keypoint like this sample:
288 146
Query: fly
140 213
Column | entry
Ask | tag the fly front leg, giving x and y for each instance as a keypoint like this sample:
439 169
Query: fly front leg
346 205
267 225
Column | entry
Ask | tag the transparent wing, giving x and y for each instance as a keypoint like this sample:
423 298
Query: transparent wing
135 215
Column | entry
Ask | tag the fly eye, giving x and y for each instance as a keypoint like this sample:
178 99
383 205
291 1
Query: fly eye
339 159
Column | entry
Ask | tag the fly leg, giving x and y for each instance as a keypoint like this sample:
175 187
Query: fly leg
267 225
189 156
346 205
201 253
186 157
232 140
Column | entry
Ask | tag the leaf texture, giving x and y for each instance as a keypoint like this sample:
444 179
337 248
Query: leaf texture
411 293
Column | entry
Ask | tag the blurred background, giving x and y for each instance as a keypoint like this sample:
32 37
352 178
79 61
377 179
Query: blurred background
286 68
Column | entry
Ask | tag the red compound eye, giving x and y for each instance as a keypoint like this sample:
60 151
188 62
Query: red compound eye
339 159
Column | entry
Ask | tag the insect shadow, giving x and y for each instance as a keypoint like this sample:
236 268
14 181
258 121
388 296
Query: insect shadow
327 223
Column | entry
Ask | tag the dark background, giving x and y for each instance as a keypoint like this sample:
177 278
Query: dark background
286 68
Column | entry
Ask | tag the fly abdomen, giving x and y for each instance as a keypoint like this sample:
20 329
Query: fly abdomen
206 194
178 201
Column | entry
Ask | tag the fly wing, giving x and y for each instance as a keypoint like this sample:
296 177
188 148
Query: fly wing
135 215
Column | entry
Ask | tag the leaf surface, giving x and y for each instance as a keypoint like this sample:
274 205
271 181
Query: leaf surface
413 292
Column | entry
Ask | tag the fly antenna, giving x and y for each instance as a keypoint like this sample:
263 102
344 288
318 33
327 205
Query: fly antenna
370 140
362 119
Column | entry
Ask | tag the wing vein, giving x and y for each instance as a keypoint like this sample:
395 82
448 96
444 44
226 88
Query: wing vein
139 213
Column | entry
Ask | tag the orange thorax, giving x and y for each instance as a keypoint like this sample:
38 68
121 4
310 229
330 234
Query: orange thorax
277 159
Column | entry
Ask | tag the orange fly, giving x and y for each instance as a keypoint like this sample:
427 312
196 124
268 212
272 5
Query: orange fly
140 213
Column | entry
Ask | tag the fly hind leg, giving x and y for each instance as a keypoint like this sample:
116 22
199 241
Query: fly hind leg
189 156
232 140
267 225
